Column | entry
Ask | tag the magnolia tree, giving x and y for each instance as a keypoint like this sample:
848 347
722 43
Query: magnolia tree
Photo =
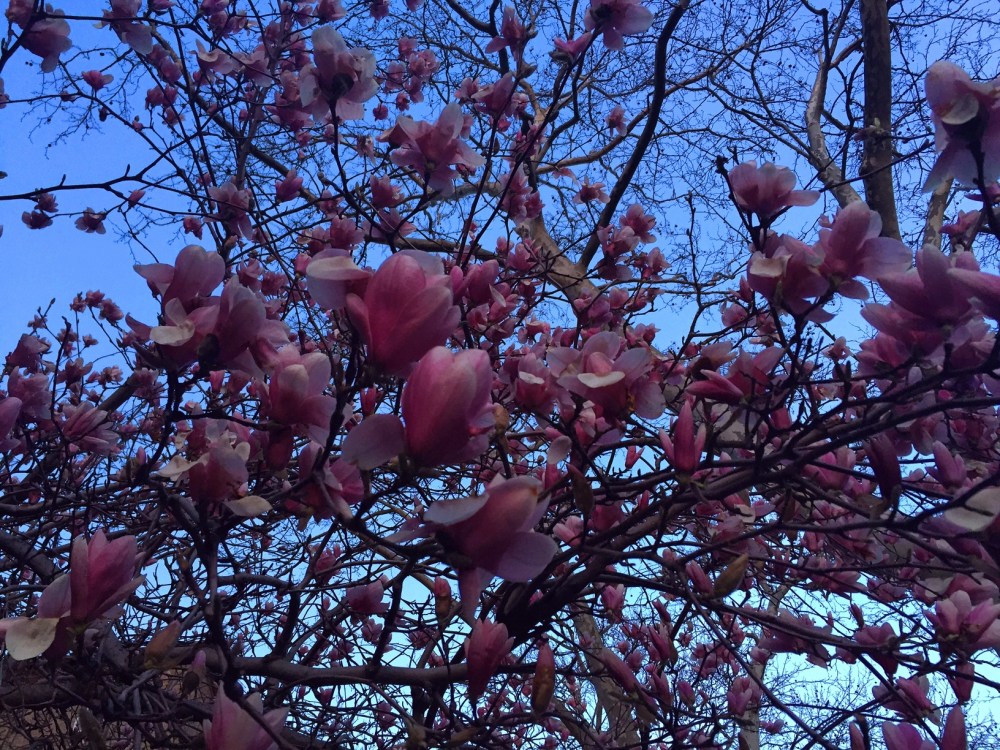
402 461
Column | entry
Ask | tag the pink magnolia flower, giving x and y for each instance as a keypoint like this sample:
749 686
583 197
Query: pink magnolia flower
366 599
91 222
685 448
219 472
96 79
329 489
232 727
87 428
904 737
612 379
46 37
434 151
289 187
982 288
616 19
121 18
616 120
966 118
588 193
102 576
485 649
570 49
787 274
744 694
331 275
340 80
10 410
493 534
295 391
406 309
852 247
447 407
961 624
512 34
195 274
767 190
231 208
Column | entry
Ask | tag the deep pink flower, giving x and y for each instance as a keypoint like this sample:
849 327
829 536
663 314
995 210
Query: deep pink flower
685 448
195 274
512 34
366 599
767 190
232 727
295 391
617 18
331 488
88 429
493 534
959 623
852 247
447 407
101 575
91 222
406 309
96 79
904 737
486 647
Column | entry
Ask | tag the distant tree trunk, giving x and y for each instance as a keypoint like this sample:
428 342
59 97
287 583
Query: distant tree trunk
876 166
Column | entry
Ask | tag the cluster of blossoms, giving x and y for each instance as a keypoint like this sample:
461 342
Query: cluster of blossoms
370 419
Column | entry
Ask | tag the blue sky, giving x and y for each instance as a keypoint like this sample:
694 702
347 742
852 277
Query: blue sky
59 261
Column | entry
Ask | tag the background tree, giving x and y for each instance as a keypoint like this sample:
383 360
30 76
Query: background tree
402 460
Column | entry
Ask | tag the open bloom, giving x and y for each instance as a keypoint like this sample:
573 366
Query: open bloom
493 534
617 18
966 125
340 79
101 576
434 151
768 189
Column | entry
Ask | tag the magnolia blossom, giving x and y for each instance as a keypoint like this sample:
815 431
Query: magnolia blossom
340 80
966 125
447 407
406 309
767 190
434 151
616 19
493 534
101 576
486 647
46 37
232 727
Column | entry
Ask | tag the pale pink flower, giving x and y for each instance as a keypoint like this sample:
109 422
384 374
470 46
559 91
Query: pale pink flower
434 151
966 118
494 535
767 190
